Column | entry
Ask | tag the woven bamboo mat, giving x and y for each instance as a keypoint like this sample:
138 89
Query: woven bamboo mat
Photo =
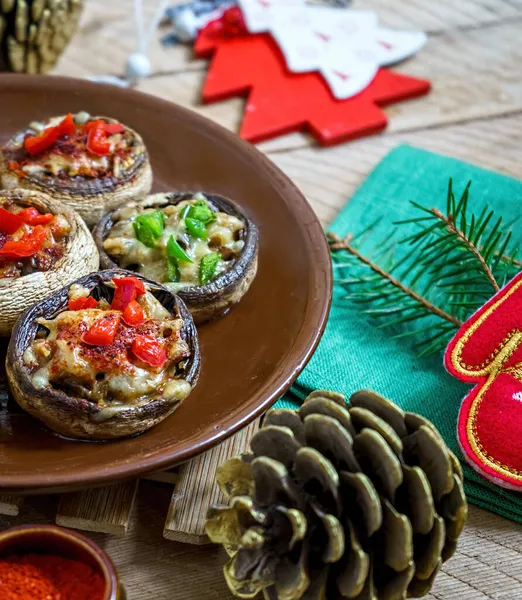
110 509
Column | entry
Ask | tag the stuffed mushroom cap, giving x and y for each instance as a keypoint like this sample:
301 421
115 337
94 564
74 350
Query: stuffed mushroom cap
74 416
205 300
80 257
90 174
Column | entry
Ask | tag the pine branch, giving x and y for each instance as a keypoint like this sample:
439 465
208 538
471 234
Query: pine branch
439 274
452 228
466 248
338 244
509 259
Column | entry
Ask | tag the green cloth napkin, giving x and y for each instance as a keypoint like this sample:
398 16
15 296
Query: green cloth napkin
353 354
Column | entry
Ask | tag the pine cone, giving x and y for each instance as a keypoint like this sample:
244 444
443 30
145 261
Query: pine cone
362 502
33 33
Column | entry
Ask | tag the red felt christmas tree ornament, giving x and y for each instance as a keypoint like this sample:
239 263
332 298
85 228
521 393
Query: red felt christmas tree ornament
487 352
281 102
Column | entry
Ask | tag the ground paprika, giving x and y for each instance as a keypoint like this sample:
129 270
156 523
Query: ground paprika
46 577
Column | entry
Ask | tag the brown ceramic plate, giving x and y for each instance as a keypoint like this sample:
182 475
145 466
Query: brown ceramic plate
250 356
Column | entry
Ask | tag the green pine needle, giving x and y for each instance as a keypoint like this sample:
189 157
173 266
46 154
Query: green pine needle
423 286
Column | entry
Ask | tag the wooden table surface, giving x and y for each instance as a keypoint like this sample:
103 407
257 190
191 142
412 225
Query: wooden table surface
474 112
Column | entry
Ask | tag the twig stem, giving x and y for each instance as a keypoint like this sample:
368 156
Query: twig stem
510 259
338 244
452 228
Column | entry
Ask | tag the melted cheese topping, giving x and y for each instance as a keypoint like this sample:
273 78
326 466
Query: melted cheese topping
70 155
223 236
108 375
73 165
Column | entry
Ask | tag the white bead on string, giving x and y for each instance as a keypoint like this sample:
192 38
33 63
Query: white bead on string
138 67
138 64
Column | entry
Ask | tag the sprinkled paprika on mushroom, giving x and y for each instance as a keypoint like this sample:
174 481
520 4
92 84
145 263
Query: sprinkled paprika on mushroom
30 241
43 245
117 356
94 164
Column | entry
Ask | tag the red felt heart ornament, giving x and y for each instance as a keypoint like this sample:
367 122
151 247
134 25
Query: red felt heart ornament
487 351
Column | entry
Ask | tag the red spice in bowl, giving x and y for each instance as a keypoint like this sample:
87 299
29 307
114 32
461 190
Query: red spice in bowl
45 562
47 577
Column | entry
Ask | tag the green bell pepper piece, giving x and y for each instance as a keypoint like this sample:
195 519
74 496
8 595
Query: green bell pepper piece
174 250
208 266
172 269
148 227
196 228
201 212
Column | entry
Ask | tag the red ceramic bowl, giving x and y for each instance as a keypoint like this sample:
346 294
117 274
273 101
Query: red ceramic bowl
48 539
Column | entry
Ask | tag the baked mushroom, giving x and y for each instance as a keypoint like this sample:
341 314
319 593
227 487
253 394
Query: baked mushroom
202 247
92 164
43 245
109 356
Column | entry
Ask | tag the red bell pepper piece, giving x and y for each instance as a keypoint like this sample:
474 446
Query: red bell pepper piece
96 139
32 216
93 124
113 128
47 139
67 126
40 143
140 286
124 294
9 222
103 331
28 245
137 283
149 351
109 128
127 288
133 314
82 303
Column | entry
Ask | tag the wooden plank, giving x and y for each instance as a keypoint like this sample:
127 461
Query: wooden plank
442 16
328 177
196 489
10 505
105 510
483 82
170 476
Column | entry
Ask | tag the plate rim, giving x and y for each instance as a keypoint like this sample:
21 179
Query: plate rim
307 344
